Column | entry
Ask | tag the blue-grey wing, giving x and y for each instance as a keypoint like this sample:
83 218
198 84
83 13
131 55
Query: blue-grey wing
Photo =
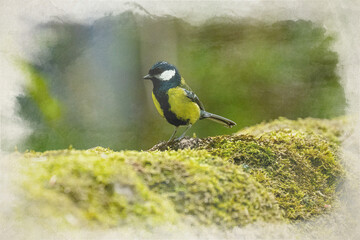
194 98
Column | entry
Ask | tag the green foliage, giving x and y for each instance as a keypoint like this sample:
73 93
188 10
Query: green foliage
38 90
279 174
250 71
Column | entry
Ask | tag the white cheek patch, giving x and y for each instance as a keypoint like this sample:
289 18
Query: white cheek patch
166 75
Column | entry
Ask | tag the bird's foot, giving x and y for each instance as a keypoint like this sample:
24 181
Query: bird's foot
174 140
179 138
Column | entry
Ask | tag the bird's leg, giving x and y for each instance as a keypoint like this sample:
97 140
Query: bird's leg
173 135
182 135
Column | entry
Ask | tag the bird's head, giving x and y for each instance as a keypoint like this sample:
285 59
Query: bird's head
163 73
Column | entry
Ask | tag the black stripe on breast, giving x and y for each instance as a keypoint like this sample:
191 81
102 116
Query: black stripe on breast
163 100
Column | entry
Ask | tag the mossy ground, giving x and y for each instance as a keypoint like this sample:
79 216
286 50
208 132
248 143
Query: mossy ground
112 188
297 161
298 169
94 186
286 170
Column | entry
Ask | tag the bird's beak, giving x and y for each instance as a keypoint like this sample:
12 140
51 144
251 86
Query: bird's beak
148 76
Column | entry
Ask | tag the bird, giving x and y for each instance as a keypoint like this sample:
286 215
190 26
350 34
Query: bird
176 102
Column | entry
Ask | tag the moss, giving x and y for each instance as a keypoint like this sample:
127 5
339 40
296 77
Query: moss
299 167
94 186
113 188
286 170
331 129
206 187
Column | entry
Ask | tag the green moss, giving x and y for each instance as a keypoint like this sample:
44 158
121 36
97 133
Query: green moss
113 188
300 167
286 170
94 186
331 129
206 187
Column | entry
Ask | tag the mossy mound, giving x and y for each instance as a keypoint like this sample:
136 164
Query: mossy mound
274 175
94 186
299 167
206 187
114 188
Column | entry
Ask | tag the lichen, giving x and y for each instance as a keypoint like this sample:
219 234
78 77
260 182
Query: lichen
287 170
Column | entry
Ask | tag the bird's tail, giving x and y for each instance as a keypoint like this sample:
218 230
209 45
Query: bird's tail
216 118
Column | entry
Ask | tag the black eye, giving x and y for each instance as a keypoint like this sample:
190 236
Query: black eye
155 71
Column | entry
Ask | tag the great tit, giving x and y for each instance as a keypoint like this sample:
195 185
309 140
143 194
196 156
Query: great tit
175 101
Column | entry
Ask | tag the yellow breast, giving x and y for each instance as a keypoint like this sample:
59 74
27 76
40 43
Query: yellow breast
157 105
182 106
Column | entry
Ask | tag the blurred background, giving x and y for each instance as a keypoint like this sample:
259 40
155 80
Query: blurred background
84 84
